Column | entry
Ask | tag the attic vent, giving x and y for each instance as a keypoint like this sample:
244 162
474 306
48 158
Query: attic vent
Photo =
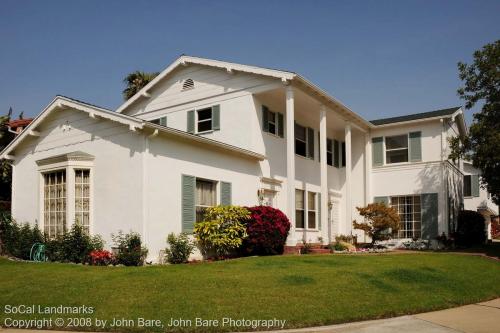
188 84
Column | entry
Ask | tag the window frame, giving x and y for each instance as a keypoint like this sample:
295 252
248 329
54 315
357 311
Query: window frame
197 121
404 222
302 210
56 211
315 210
216 198
470 186
302 141
82 197
397 149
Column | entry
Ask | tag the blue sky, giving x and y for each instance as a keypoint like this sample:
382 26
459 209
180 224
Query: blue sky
381 58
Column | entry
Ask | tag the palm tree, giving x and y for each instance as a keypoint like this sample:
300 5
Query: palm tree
136 81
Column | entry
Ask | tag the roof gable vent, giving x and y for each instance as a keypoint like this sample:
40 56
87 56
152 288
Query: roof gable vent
188 84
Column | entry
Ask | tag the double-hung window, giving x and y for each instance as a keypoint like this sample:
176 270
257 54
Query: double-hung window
272 122
299 209
204 120
329 152
304 141
300 140
396 149
206 196
311 210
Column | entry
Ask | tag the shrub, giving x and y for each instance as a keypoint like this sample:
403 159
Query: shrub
15 239
222 231
130 249
306 247
470 229
338 246
379 221
346 238
73 246
180 248
267 230
101 258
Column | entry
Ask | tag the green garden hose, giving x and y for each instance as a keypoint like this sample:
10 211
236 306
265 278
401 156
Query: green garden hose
37 252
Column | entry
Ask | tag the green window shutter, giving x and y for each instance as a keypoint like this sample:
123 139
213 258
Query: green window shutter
319 211
265 118
281 125
188 203
474 185
336 154
384 200
163 121
377 151
225 194
310 143
190 121
415 146
429 204
215 117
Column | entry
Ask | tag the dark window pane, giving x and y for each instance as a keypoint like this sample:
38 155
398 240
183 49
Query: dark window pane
300 148
272 128
156 121
204 125
467 186
204 114
300 132
329 158
343 154
396 156
394 142
311 220
299 219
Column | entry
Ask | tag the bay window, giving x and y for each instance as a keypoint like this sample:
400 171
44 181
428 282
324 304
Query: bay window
82 199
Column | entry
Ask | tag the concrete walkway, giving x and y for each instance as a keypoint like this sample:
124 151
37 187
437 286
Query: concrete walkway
475 318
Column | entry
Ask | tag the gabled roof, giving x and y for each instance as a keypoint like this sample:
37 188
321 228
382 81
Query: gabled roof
416 116
285 76
134 123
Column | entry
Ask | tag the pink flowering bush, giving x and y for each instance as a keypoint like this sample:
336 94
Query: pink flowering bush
267 230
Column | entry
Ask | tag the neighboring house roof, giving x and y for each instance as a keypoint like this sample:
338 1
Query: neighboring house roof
134 123
19 122
285 76
416 116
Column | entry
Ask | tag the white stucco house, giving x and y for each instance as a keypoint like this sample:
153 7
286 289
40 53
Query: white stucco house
207 132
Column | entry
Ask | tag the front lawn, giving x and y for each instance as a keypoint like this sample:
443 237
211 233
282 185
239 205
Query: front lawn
305 291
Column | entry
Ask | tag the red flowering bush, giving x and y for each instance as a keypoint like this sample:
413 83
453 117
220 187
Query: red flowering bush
267 229
101 258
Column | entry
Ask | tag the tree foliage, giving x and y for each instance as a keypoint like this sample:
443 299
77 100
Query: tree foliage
135 81
482 145
5 169
380 221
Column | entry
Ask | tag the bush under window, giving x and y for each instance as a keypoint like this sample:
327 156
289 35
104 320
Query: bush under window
180 248
267 230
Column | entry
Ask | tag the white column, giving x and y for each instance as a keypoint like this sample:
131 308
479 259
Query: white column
348 170
368 168
290 164
324 175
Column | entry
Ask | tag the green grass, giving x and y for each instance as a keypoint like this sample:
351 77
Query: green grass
305 291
